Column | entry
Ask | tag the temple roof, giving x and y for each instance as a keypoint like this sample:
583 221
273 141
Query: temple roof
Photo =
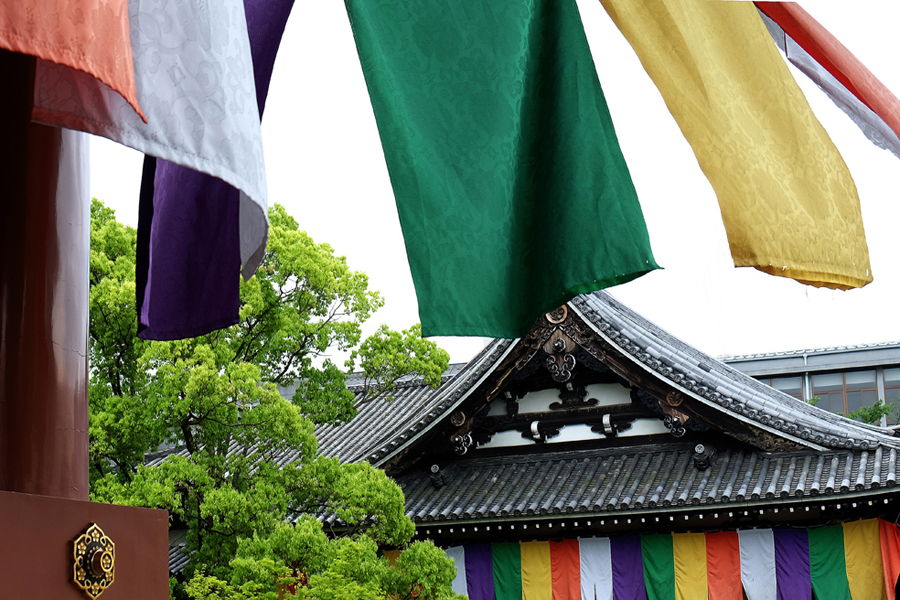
597 483
715 395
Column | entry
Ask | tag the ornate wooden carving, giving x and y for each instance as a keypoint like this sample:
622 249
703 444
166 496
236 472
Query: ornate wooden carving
608 420
560 361
573 397
674 419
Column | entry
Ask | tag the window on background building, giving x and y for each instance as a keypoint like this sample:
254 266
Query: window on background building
793 386
844 393
892 392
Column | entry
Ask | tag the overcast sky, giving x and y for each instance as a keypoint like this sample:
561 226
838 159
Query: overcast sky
325 164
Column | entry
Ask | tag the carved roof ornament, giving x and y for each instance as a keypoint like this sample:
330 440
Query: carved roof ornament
95 561
558 316
674 419
560 361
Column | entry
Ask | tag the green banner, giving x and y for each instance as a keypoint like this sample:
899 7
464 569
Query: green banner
511 188
827 564
659 566
507 571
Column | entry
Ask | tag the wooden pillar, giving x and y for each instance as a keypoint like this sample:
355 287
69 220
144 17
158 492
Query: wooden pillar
44 254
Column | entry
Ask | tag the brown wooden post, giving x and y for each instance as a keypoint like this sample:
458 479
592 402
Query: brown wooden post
44 253
44 258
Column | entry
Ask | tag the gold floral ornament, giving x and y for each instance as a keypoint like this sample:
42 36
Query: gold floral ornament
95 561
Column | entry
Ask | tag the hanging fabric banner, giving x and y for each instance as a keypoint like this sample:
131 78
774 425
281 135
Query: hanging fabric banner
88 39
537 582
480 572
690 566
865 573
565 570
628 568
788 202
507 571
827 565
197 92
204 231
458 555
596 569
392 556
792 564
723 565
889 537
758 564
512 191
849 84
198 80
659 566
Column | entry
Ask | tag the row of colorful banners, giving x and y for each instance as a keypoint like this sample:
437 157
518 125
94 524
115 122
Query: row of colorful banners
858 560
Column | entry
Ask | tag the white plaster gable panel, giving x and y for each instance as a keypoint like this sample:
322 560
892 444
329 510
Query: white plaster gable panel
575 433
606 394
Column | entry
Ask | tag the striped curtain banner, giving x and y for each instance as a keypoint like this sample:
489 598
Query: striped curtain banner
858 560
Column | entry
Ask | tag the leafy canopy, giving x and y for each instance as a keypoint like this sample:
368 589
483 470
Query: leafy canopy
234 459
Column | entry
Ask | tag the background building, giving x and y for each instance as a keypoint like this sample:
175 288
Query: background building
845 378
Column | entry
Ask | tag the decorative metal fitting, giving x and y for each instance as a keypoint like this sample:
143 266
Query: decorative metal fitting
95 561
674 398
458 418
461 443
558 316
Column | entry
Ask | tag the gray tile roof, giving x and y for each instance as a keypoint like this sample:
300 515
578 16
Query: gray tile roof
809 351
721 386
659 478
178 558
382 427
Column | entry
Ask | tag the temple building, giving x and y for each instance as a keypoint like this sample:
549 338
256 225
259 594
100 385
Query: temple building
600 457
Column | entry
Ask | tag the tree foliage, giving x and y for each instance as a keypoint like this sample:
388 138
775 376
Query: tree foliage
872 414
235 460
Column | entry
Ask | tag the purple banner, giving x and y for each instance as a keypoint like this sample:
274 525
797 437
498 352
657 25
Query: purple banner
189 263
792 564
480 571
627 568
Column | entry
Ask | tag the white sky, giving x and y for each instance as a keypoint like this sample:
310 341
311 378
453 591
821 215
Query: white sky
325 164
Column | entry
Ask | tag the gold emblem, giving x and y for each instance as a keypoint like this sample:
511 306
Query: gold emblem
559 315
95 561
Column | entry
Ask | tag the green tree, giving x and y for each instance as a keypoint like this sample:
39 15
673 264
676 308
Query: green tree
872 414
242 460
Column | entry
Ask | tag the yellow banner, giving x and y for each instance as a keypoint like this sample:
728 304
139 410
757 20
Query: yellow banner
537 582
865 573
690 566
788 201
